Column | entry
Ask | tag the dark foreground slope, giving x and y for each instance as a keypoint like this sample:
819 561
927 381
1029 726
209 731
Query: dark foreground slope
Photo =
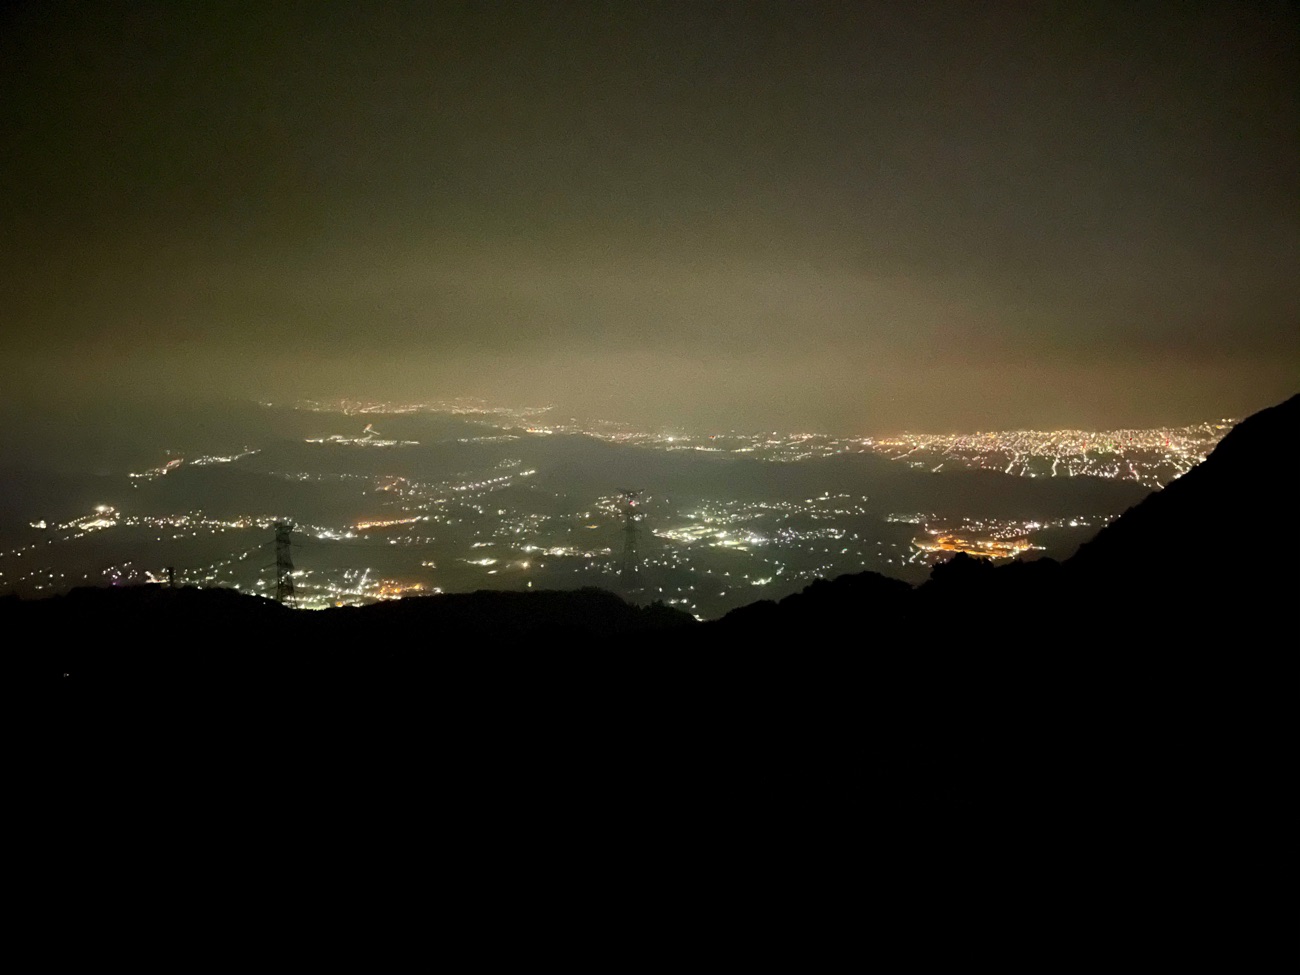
1225 530
1078 767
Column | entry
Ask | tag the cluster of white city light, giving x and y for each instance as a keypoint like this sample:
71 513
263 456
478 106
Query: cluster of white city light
705 554
173 463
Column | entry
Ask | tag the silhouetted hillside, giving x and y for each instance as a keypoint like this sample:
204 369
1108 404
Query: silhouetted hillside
1210 550
1223 528
1068 767
109 635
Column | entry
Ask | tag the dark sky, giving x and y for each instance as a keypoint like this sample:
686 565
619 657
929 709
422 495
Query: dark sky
863 216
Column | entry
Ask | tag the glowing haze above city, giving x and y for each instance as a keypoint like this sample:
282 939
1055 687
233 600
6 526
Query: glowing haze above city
822 287
860 218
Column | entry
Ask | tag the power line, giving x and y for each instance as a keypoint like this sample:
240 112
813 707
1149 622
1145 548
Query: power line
284 563
629 572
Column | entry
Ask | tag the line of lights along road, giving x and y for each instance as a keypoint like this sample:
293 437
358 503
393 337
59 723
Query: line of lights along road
496 528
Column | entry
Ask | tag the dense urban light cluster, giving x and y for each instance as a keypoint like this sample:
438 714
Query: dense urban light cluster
1150 457
505 522
173 463
1153 458
369 437
983 547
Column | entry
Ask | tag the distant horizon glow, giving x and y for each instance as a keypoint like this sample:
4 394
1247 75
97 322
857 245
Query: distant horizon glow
854 218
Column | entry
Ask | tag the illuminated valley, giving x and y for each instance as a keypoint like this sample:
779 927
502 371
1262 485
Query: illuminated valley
460 496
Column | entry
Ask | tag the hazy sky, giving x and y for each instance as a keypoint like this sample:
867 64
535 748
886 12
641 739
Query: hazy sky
856 215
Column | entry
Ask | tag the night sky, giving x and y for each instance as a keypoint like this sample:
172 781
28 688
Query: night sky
859 216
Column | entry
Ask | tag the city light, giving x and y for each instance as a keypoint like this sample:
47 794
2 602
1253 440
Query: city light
501 524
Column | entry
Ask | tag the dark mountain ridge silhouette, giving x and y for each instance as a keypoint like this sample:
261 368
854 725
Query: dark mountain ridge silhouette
1226 520
1204 539
1069 767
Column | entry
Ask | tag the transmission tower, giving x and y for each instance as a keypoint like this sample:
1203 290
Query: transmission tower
631 532
283 562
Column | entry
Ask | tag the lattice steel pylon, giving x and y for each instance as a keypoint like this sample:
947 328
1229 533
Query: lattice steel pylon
284 563
631 567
